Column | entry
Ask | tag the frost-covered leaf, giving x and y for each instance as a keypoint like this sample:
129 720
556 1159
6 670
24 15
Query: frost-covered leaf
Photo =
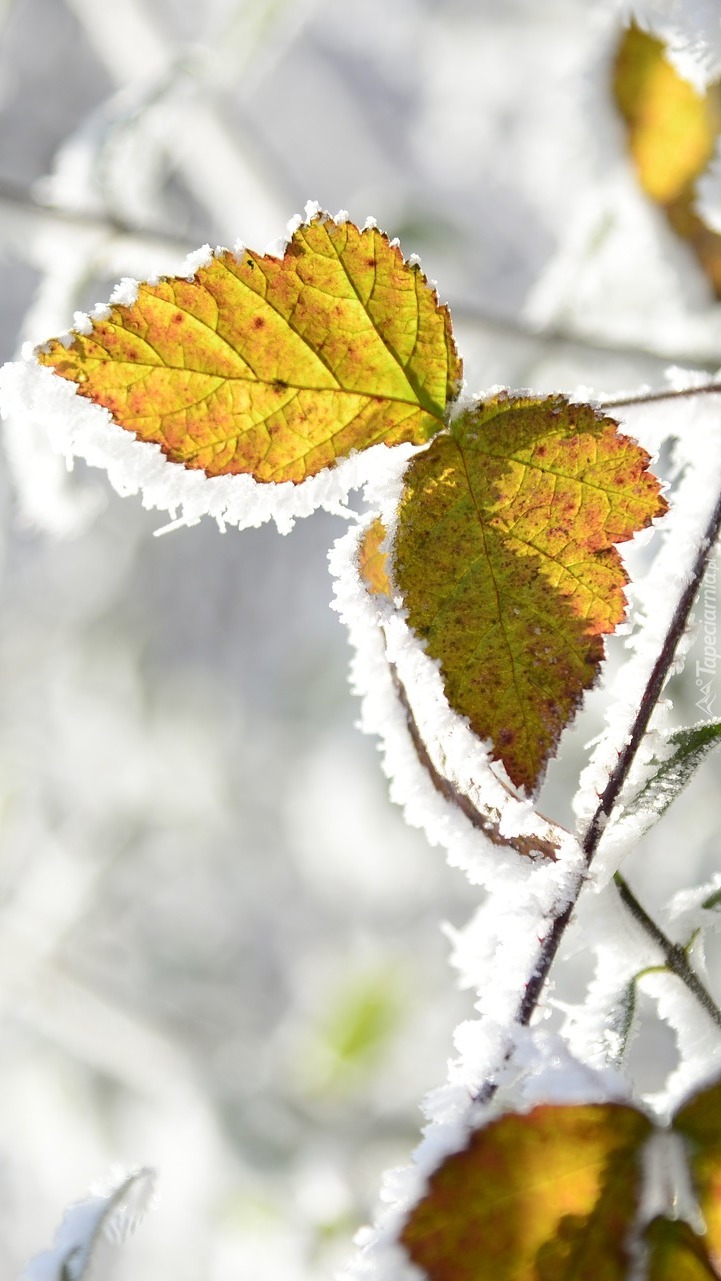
676 1253
504 556
549 1196
699 1121
689 748
274 367
106 1217
672 131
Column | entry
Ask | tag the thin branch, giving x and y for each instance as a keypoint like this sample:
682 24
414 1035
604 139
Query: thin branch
619 774
22 202
514 327
651 397
675 956
25 203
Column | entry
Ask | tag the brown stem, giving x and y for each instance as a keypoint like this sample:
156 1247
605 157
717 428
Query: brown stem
592 836
675 957
651 397
488 822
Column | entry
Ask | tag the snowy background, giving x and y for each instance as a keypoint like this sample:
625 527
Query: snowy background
220 946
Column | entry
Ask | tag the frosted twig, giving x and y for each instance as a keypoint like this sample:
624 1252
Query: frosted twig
675 957
650 397
619 774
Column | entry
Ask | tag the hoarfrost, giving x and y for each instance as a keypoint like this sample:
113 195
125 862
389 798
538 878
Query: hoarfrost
599 1028
697 908
676 759
697 1038
125 293
498 950
540 1070
198 258
78 428
691 30
387 653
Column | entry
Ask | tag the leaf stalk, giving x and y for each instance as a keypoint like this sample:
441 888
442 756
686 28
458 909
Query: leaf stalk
674 954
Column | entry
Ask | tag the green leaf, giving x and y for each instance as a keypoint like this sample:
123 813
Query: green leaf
504 556
275 367
550 1196
676 1253
690 748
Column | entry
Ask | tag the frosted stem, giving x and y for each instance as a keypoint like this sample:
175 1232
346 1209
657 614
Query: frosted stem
674 955
619 774
530 846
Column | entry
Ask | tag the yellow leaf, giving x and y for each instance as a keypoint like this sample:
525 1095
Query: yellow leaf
276 367
672 132
373 562
549 1196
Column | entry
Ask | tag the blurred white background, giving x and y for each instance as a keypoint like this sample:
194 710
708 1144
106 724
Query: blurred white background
220 950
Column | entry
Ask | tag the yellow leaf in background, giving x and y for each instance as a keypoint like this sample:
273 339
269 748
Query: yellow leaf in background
672 133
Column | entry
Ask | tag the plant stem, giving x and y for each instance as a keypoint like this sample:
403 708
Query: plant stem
650 397
488 823
675 957
592 836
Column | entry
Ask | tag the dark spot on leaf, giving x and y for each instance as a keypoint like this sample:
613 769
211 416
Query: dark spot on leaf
258 322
